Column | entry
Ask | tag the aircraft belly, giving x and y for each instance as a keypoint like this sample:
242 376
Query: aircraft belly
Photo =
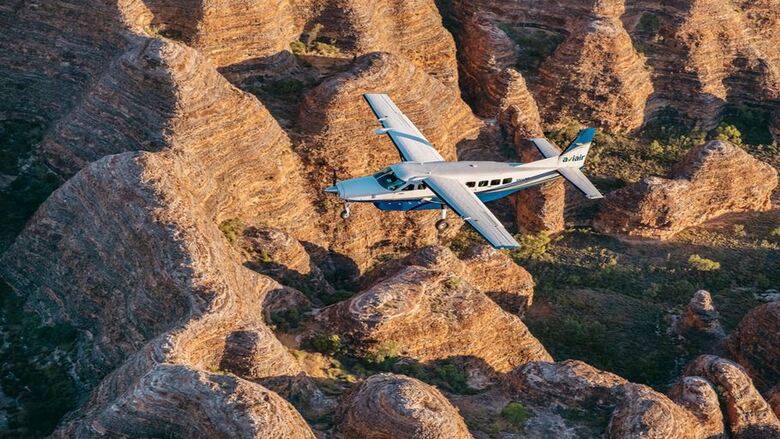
407 205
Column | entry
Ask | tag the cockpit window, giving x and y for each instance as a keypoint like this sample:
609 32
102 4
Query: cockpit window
387 179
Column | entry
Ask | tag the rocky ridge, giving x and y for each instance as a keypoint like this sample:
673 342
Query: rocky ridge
428 315
712 179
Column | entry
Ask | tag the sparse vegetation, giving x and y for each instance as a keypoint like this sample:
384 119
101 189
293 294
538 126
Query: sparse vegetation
325 344
34 370
533 246
727 132
314 44
452 283
516 413
287 319
703 264
534 46
232 228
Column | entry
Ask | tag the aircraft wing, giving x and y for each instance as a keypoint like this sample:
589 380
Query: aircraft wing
470 208
411 143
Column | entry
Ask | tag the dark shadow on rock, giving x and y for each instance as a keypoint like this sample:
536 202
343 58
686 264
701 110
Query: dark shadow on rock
339 270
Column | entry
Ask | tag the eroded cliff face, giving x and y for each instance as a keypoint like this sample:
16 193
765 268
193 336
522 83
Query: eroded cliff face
712 179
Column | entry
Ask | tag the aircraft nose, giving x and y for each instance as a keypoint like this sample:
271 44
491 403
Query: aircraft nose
332 190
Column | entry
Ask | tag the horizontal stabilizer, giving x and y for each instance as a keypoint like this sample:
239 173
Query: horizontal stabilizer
546 148
581 182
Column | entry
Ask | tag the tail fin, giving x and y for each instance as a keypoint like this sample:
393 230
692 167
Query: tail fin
573 158
574 154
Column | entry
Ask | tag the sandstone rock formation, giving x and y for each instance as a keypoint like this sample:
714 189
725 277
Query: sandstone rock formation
477 265
700 318
216 129
606 81
339 137
748 414
637 410
698 396
755 345
177 401
169 292
711 180
389 406
707 54
430 314
241 36
279 255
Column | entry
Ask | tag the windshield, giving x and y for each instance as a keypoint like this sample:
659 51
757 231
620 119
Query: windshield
387 179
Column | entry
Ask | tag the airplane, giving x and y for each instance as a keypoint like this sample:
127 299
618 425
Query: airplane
424 180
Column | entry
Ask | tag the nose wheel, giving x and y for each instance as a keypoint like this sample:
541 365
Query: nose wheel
345 213
442 224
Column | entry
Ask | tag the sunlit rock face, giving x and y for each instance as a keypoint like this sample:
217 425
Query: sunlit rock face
395 406
712 179
432 314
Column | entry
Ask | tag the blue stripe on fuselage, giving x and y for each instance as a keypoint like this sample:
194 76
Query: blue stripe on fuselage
485 197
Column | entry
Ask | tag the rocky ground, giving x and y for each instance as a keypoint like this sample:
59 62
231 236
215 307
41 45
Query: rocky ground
171 267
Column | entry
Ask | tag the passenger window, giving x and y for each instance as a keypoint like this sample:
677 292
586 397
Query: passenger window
495 182
506 180
471 184
483 183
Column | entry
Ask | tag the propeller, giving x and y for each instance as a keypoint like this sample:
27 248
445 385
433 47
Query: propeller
333 180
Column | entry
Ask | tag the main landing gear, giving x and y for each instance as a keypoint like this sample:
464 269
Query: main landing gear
442 224
345 213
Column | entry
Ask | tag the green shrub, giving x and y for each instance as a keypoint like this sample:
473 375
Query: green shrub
729 133
286 319
284 87
649 25
325 344
384 355
232 229
775 232
703 264
516 413
452 283
451 377
533 246
298 48
335 297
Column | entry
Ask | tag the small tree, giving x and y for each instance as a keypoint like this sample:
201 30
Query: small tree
533 246
703 264
729 133
516 413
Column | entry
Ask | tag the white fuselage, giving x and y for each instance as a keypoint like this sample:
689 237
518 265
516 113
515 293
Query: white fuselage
489 180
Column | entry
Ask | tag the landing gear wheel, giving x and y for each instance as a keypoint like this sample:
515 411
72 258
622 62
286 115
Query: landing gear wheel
345 214
442 225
